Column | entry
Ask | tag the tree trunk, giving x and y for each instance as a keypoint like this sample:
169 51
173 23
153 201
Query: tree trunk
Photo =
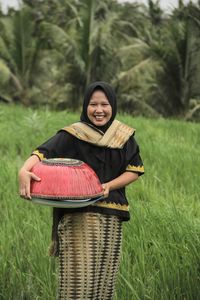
192 68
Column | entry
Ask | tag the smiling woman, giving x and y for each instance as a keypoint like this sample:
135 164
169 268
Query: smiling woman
88 239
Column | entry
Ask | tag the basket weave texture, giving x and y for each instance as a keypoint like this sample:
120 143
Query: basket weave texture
65 179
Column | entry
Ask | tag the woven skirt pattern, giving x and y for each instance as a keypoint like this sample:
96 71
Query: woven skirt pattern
89 255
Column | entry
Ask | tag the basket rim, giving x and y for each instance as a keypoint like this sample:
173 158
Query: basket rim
65 204
62 162
68 197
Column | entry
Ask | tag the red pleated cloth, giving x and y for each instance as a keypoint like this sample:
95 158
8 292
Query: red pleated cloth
65 179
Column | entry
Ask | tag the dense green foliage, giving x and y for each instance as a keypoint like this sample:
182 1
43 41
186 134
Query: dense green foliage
50 50
160 257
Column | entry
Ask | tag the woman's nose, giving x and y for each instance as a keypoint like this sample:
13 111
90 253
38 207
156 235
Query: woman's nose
99 108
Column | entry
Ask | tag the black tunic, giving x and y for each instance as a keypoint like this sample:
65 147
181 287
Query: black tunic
107 163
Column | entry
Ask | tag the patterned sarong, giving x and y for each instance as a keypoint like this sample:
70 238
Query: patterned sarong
89 247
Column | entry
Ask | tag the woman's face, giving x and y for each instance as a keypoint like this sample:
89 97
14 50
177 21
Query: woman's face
99 110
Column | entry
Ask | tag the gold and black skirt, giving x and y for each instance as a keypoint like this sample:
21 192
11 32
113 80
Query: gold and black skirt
89 255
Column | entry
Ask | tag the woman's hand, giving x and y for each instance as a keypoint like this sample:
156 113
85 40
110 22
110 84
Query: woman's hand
106 190
25 178
119 182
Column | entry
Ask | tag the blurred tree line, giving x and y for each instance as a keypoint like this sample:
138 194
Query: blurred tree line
50 50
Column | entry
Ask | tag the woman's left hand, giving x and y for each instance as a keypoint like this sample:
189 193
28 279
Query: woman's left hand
106 190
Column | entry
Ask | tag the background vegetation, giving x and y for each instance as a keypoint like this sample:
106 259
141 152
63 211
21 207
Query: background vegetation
160 257
50 50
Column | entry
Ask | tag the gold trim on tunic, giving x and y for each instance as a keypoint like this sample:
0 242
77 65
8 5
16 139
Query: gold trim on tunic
39 154
115 137
135 168
112 205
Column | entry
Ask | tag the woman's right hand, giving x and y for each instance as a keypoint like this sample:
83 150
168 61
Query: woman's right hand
106 190
25 178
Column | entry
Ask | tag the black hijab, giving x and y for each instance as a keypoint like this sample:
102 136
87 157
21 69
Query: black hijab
109 92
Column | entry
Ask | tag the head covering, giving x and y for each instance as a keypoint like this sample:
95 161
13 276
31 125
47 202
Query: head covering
109 92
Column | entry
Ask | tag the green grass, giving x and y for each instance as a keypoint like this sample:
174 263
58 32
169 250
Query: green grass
160 257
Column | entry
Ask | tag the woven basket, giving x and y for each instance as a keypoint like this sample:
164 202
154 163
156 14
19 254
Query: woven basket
65 179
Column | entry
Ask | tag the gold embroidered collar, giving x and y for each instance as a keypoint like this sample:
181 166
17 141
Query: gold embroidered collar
115 137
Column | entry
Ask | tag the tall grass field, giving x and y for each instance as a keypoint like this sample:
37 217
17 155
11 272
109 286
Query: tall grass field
161 242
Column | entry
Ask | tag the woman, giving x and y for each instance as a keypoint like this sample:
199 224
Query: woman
88 240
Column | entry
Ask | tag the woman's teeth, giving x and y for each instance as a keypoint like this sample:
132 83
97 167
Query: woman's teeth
99 117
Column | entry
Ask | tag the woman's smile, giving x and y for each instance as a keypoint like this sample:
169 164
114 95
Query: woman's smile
99 117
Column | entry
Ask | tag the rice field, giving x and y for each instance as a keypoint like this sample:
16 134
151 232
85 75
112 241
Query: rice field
161 243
